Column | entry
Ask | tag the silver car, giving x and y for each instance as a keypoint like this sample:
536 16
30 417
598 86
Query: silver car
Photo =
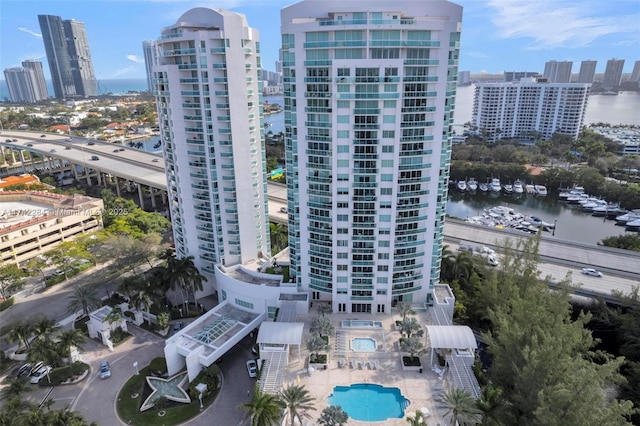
592 272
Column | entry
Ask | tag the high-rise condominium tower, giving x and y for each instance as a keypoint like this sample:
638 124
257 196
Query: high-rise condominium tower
635 74
39 85
613 73
150 59
587 72
369 90
558 72
20 84
68 55
207 86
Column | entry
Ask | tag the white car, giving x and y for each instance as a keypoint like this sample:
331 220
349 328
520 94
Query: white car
38 375
591 272
252 368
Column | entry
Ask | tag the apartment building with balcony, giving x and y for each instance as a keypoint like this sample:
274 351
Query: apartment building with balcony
529 107
33 222
208 88
369 93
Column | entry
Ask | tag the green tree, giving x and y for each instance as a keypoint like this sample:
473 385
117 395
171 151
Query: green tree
44 328
184 275
66 255
21 332
83 298
297 402
11 279
44 350
412 345
333 416
264 409
322 326
404 309
279 237
460 407
316 344
490 405
324 309
69 339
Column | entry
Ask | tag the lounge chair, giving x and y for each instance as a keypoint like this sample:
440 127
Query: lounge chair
341 363
351 364
372 365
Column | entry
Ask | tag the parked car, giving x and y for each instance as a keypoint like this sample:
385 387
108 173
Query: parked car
14 140
95 157
37 366
591 272
177 327
43 136
38 375
7 140
91 143
29 144
105 370
24 369
252 368
67 147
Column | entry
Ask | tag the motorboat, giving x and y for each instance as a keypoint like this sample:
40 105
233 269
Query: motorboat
517 187
495 185
507 188
540 189
576 198
472 185
588 207
609 210
576 190
483 187
627 217
633 225
530 189
536 221
461 186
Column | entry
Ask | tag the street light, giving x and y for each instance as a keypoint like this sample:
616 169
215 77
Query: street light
202 388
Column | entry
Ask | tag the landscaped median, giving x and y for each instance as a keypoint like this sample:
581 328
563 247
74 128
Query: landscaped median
164 412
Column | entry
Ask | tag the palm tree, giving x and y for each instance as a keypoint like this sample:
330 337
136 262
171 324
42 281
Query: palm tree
84 298
405 310
44 328
265 409
184 274
317 344
463 266
130 285
16 388
324 309
446 264
460 407
490 404
70 338
333 416
21 332
279 236
45 351
297 402
115 316
322 326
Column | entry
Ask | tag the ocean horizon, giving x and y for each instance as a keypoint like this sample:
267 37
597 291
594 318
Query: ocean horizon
114 86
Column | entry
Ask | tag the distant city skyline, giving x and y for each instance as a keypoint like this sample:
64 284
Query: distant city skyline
497 35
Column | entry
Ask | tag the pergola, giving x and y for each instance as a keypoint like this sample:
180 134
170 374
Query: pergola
450 337
280 334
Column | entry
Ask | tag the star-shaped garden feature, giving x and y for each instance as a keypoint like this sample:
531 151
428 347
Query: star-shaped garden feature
170 388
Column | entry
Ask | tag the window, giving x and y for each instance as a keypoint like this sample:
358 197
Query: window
389 104
343 72
343 104
343 255
386 191
388 119
385 218
343 119
387 148
244 304
383 268
386 53
387 163
343 243
348 54
386 177
342 268
343 163
343 134
388 134
343 218
383 243
343 230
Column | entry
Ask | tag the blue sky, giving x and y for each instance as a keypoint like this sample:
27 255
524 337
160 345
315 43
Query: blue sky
497 34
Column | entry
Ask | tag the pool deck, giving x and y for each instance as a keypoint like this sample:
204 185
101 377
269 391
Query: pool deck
419 388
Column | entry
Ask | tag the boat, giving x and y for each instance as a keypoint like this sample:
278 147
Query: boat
530 189
633 225
472 185
517 187
588 207
627 217
577 198
609 210
507 188
495 185
575 191
540 190
461 186
536 221
483 187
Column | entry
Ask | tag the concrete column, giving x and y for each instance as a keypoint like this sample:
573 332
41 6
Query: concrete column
99 177
141 196
74 169
118 186
21 153
152 191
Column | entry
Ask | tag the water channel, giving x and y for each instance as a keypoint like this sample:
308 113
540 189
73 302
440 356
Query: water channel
571 222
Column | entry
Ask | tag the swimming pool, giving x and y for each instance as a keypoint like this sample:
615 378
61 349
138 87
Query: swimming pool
363 344
361 324
369 402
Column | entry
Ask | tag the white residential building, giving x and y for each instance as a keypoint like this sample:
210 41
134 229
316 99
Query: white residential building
515 110
558 72
369 93
208 90
150 59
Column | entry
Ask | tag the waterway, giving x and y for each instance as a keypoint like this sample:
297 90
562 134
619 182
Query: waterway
571 223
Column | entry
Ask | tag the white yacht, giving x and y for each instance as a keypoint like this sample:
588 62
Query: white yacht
472 184
517 187
495 185
461 185
540 189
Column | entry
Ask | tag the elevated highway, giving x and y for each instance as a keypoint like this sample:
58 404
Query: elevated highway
621 268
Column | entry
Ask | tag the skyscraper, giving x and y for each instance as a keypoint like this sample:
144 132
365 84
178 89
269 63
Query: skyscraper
587 72
20 83
558 72
39 85
208 91
613 73
635 74
68 56
369 93
150 59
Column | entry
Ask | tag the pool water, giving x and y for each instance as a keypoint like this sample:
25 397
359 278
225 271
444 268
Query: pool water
369 402
363 344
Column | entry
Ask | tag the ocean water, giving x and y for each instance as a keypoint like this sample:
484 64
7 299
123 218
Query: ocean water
116 86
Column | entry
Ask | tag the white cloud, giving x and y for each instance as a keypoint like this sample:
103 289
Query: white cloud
551 24
123 71
136 59
30 32
479 55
